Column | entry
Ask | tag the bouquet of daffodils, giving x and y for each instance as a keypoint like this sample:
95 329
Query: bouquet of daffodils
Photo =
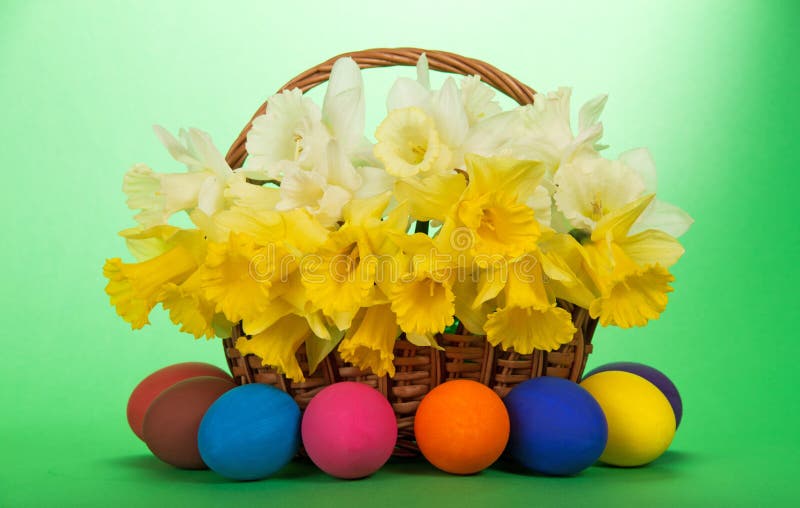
458 212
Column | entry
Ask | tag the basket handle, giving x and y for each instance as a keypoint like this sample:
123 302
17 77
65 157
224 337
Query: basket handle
388 57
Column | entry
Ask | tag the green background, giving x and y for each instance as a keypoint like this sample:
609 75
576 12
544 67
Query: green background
710 87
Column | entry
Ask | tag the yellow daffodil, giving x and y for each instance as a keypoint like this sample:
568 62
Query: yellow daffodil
188 307
369 343
135 288
422 296
529 318
277 345
239 274
630 272
492 210
341 278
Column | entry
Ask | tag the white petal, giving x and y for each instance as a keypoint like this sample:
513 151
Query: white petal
329 208
209 156
211 196
591 187
591 111
493 136
160 195
374 181
423 74
641 160
664 217
541 203
339 170
344 105
449 114
301 188
176 149
291 129
406 93
478 99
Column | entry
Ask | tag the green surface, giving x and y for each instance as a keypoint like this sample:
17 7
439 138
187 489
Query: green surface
710 87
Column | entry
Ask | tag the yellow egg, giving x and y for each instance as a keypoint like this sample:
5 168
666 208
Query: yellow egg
641 423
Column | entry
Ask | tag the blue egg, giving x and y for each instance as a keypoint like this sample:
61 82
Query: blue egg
557 427
250 432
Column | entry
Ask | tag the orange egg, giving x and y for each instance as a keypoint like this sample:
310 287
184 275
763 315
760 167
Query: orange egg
461 427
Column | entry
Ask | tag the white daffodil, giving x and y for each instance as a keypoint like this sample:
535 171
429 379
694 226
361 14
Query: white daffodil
590 187
294 132
324 191
159 195
478 100
320 156
444 106
541 131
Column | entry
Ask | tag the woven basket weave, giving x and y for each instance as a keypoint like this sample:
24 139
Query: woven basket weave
419 369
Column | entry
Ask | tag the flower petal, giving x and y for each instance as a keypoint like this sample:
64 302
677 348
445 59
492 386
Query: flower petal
665 217
528 328
369 343
344 105
277 345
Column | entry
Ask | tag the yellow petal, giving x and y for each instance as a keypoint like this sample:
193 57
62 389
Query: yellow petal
423 340
318 348
430 197
132 308
651 247
472 317
369 343
277 345
497 174
617 223
361 212
423 306
134 289
633 299
501 226
188 307
147 243
238 274
267 316
528 328
526 284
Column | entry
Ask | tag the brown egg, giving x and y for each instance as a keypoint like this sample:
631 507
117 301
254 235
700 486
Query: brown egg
171 422
152 386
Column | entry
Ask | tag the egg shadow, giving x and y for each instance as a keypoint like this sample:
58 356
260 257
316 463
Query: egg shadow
150 468
669 458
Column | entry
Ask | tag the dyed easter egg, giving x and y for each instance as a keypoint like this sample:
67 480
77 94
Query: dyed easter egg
641 423
655 376
349 430
461 427
557 427
152 386
171 422
250 432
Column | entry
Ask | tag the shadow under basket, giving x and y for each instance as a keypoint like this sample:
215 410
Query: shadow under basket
419 369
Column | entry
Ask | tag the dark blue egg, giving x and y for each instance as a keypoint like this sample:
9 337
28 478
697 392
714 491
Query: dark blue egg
250 433
653 375
557 427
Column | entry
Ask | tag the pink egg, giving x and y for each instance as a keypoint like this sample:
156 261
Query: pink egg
349 430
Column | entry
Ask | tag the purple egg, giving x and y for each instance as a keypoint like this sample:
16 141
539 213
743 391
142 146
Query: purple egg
655 376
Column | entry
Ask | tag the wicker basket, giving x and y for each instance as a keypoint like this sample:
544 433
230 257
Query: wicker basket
419 369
